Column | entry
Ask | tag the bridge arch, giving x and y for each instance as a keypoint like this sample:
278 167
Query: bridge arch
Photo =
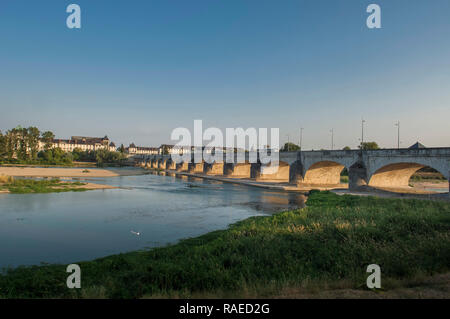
399 174
324 173
278 173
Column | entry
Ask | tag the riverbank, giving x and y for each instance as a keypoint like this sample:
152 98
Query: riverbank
69 172
323 247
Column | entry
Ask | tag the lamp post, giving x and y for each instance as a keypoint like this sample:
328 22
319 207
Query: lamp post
398 134
301 137
362 131
332 138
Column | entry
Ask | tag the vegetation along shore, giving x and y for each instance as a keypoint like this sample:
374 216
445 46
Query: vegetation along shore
324 246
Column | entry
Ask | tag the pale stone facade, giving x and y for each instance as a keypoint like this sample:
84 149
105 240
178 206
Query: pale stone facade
82 143
138 150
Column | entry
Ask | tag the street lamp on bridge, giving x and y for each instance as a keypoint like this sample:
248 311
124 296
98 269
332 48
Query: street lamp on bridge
398 134
332 138
301 137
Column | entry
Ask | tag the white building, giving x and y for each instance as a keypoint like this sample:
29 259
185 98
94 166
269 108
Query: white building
81 142
138 150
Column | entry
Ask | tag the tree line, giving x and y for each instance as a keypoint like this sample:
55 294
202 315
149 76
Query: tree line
21 146
22 143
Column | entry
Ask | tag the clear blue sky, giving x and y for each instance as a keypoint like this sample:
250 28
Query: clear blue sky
138 69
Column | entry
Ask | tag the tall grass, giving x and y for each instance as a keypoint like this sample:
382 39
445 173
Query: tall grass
4 179
26 186
423 177
332 240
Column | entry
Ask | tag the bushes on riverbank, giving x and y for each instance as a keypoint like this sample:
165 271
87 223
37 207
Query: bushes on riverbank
26 186
332 240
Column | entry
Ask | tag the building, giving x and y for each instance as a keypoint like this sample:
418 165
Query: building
138 150
82 143
166 149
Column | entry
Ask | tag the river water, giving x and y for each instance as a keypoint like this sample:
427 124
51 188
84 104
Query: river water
71 227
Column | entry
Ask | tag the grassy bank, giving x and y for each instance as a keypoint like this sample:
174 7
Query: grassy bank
427 176
27 186
327 244
64 165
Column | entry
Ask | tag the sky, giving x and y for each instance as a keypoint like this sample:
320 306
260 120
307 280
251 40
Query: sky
138 69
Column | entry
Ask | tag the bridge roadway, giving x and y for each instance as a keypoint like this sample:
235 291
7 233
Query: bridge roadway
385 168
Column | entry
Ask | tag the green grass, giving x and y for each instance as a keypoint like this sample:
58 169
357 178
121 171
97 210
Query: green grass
27 186
332 240
344 179
434 177
39 163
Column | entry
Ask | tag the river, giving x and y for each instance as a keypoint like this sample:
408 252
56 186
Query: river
71 227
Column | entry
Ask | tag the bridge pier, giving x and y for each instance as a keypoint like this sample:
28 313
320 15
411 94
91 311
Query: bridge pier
357 177
182 167
255 170
170 165
213 169
276 173
296 173
195 168
241 170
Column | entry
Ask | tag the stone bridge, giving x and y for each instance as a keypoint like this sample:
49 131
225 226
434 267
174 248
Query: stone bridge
379 168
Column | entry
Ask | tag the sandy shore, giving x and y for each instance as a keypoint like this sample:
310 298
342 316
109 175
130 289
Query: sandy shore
92 186
68 172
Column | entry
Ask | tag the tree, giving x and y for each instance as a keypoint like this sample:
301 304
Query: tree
33 141
121 149
347 148
58 154
290 147
369 146
11 143
3 151
47 138
77 154
67 158
55 156
104 156
21 142
46 156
